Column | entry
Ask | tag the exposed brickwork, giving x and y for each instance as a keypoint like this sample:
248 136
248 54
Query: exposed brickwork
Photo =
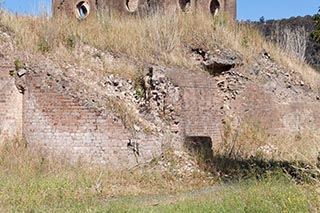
10 105
288 115
69 7
201 114
59 124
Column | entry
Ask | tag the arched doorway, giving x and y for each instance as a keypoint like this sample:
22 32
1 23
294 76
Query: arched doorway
214 7
185 4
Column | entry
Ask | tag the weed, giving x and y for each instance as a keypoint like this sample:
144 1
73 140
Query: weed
138 84
17 64
71 41
43 45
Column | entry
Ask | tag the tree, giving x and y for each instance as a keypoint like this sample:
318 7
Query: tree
316 33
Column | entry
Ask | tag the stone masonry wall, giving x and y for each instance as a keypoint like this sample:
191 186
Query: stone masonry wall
57 123
10 106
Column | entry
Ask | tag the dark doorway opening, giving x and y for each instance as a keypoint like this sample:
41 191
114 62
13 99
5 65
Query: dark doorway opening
185 4
214 7
201 148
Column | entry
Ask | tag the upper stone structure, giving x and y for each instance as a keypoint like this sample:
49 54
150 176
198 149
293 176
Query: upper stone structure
82 9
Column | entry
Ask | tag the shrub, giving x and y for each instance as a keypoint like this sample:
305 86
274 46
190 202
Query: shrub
316 33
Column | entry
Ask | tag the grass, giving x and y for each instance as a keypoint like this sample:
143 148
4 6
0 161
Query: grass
264 196
32 182
251 140
164 39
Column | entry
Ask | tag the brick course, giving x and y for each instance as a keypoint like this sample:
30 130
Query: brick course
59 124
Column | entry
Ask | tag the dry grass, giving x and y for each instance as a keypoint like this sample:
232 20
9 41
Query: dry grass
31 180
251 140
163 39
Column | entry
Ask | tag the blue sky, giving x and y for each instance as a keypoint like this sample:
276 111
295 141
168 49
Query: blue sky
276 9
247 9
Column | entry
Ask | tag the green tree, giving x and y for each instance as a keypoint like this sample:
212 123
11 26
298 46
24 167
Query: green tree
316 33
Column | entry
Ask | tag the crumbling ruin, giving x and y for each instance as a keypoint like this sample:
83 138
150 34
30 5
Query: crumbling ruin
82 9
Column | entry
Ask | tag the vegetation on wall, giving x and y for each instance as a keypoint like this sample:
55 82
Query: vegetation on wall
316 33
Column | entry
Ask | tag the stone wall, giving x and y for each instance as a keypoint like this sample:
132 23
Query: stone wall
59 124
10 106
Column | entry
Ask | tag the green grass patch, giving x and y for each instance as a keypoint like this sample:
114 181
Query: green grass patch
273 195
32 182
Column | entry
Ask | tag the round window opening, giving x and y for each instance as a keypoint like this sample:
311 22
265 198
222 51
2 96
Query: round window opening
82 9
185 4
132 5
214 7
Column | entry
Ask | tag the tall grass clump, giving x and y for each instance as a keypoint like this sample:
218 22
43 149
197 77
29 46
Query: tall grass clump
250 139
251 151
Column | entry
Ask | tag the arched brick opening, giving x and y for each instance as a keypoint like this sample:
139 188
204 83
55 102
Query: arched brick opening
132 5
200 146
185 4
82 10
214 7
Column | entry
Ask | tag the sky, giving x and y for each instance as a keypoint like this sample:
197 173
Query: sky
247 9
275 9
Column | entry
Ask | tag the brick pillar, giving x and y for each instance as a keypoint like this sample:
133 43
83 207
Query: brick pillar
10 106
231 8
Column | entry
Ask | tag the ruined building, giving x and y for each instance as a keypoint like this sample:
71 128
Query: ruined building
82 9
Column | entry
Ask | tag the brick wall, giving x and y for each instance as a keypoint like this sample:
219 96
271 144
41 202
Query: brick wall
288 114
57 123
111 6
201 113
10 106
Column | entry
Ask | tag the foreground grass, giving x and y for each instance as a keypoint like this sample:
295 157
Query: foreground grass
271 195
30 182
67 195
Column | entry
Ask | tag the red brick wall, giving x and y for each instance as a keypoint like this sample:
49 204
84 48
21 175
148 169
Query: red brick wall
111 6
287 114
10 106
57 123
201 114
